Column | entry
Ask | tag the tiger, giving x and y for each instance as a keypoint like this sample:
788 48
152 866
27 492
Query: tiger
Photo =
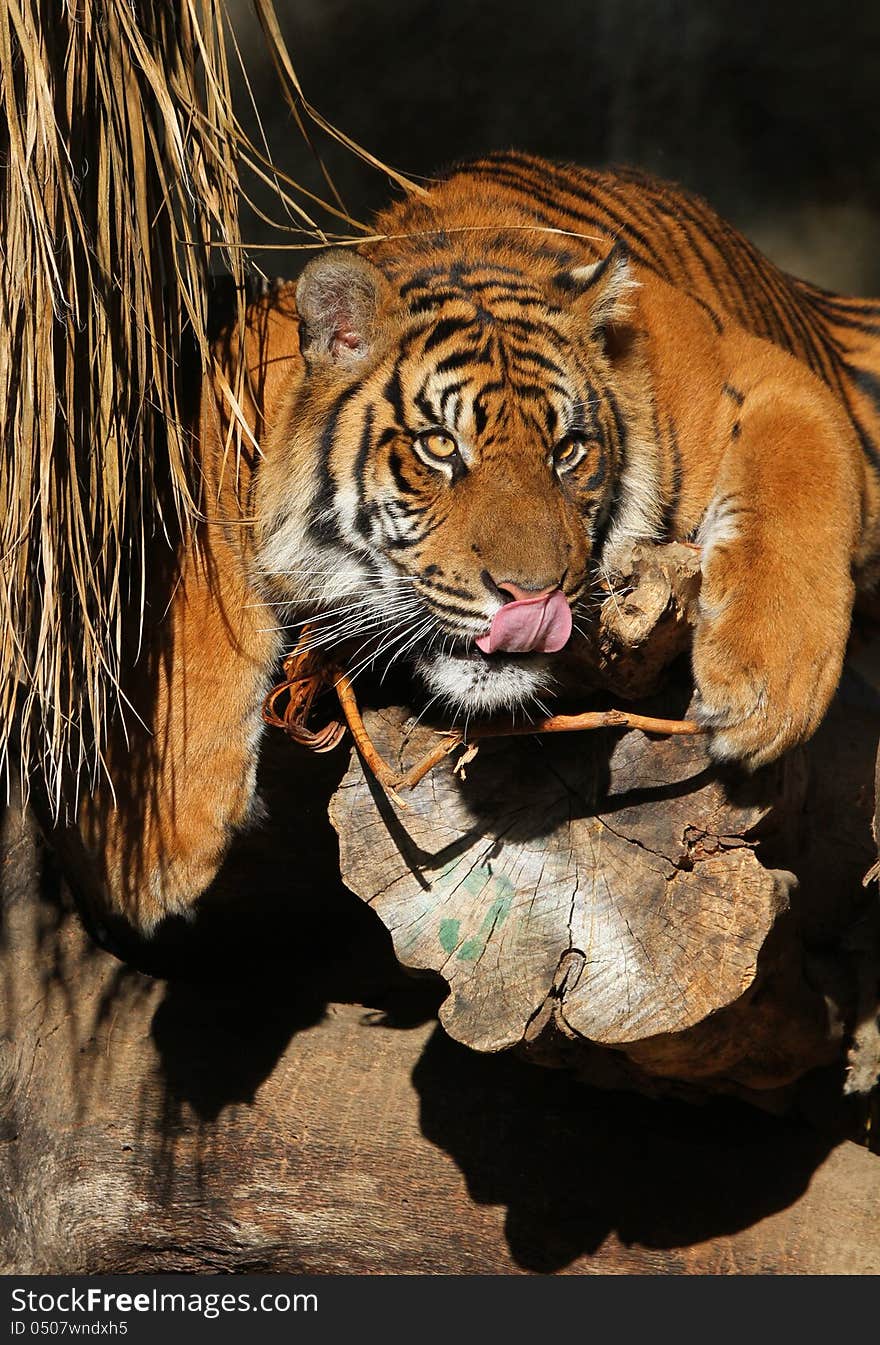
461 422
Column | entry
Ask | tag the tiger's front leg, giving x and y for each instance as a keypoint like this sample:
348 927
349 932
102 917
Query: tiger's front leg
184 766
779 540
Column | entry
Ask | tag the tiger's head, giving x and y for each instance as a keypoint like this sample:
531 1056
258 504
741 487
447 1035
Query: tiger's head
446 469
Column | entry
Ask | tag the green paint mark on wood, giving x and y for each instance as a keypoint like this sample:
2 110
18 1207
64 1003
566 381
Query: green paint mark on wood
481 880
449 935
496 915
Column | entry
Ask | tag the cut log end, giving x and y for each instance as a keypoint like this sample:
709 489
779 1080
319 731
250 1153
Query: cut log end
585 891
599 900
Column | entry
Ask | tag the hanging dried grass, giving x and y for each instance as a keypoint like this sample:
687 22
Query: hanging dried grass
122 157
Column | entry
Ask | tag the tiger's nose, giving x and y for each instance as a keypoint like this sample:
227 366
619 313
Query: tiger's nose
517 594
509 591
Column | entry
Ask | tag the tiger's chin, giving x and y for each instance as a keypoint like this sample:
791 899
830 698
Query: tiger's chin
474 683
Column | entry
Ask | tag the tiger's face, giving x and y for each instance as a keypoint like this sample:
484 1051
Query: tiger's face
446 469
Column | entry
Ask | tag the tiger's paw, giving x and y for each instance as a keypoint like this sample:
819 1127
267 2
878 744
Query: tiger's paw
767 662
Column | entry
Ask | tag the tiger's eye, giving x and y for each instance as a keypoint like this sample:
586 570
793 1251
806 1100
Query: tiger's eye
438 443
569 452
439 449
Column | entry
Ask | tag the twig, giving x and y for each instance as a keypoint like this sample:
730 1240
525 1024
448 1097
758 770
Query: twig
390 780
597 719
306 677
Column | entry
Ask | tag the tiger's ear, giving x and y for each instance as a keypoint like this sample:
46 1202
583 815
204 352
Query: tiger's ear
337 298
601 290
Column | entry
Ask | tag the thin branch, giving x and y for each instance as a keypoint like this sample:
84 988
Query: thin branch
306 677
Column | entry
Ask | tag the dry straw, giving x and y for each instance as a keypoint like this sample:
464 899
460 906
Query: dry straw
122 160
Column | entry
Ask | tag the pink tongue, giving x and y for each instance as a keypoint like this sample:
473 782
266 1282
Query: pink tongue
540 623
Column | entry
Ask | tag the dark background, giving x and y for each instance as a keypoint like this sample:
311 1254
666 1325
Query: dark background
771 111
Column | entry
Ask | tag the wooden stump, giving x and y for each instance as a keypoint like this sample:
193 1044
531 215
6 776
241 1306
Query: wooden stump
603 892
611 901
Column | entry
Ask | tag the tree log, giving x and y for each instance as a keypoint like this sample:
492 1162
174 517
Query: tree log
613 902
264 1091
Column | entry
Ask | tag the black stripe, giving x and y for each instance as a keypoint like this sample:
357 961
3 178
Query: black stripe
598 477
450 391
432 299
444 329
868 384
448 589
363 517
677 475
320 526
395 466
393 393
422 278
406 544
459 359
523 356
592 189
452 609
